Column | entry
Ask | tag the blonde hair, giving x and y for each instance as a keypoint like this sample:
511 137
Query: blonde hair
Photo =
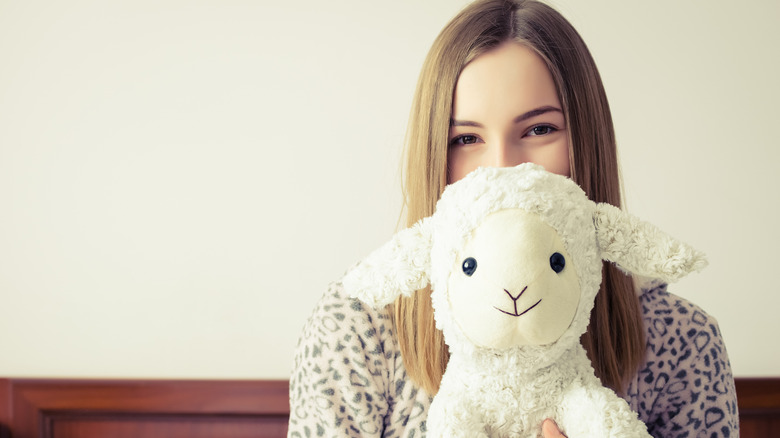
615 338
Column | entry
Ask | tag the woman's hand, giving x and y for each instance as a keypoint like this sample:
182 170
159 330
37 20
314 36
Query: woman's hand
550 429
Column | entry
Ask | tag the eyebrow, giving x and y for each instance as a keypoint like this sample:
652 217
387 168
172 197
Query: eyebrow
522 117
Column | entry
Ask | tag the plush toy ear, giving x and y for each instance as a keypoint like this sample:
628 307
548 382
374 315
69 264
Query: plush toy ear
641 248
400 266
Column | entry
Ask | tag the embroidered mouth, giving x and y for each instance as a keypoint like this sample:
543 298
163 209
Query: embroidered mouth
518 314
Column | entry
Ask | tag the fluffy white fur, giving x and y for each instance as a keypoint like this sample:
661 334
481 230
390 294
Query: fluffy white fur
514 362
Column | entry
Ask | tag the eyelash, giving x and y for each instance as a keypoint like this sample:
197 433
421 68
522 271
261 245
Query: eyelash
457 141
550 129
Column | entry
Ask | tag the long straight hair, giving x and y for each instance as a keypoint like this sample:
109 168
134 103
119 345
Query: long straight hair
615 337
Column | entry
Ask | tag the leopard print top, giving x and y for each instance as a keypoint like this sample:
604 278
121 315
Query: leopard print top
349 378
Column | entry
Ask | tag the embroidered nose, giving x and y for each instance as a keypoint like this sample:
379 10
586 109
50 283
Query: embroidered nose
514 301
518 296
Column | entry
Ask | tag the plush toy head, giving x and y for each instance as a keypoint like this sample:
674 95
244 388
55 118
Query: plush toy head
514 258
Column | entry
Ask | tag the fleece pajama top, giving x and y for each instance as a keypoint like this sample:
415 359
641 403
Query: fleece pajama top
349 379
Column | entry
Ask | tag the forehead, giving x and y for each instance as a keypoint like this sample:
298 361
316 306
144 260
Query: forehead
512 221
512 227
509 79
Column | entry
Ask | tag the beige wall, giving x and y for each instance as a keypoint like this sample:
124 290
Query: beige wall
179 181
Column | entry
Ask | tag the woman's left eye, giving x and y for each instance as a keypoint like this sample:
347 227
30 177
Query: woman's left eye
541 130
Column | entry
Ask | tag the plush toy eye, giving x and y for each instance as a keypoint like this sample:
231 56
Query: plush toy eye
557 262
469 266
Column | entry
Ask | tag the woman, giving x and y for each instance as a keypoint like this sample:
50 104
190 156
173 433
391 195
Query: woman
506 82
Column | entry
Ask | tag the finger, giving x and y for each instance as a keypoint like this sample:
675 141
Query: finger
550 429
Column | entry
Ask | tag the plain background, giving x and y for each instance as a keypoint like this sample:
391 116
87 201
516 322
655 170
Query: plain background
180 180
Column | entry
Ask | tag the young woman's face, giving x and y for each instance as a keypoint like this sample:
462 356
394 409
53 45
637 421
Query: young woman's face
506 112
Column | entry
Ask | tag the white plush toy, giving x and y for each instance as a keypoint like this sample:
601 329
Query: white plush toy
514 258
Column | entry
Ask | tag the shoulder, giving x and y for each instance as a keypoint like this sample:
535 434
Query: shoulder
336 312
345 328
686 382
348 377
340 372
676 322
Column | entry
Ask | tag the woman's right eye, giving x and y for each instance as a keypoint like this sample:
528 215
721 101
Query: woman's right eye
464 140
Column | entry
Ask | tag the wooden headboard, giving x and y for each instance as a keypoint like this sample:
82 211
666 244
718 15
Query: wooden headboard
143 408
62 408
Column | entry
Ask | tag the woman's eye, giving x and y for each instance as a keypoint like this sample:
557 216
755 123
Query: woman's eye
541 130
464 139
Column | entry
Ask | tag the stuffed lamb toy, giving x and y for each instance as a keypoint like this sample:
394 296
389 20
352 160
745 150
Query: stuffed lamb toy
514 259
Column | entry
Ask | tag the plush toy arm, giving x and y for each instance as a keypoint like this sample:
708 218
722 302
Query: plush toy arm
451 415
399 267
641 248
596 411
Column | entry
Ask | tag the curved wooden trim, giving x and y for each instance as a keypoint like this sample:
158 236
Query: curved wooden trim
5 408
35 404
758 394
759 406
31 408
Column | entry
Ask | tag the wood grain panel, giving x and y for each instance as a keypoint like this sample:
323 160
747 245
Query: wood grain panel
228 409
5 408
185 426
759 407
148 408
